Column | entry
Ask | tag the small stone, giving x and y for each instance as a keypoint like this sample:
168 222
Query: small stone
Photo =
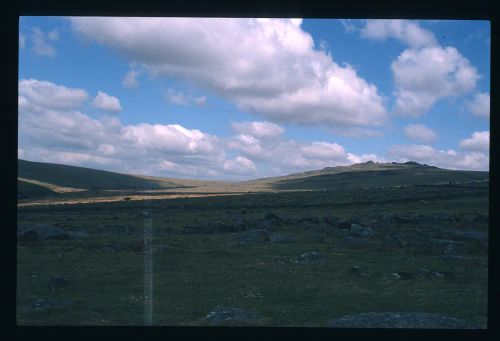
395 275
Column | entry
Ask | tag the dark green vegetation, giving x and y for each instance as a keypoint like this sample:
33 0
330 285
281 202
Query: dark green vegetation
204 256
79 177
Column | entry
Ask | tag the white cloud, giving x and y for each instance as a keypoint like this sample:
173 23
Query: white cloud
268 67
241 165
179 98
479 141
61 134
49 95
130 80
364 158
357 132
404 30
425 72
420 133
40 44
480 105
348 25
448 159
284 156
257 129
106 102
53 35
424 76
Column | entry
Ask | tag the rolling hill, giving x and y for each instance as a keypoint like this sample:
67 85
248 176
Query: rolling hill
38 179
47 174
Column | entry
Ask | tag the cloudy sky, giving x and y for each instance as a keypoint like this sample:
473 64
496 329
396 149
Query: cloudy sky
244 98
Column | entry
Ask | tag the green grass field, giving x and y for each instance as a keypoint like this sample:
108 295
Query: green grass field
194 273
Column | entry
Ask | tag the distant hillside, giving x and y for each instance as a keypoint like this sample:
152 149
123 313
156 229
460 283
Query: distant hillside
80 177
372 174
39 180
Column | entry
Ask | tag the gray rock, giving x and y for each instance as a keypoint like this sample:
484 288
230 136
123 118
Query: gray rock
221 315
446 246
394 275
477 239
81 234
57 282
360 231
393 242
222 227
254 235
400 320
44 305
41 232
355 243
310 258
282 238
342 223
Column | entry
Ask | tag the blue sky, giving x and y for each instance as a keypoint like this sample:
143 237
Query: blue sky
243 98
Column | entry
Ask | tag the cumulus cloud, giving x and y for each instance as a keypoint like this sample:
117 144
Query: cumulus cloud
106 102
404 30
357 132
41 42
264 144
241 165
179 98
49 95
424 76
268 67
420 133
449 159
257 129
130 80
61 134
479 141
425 72
480 105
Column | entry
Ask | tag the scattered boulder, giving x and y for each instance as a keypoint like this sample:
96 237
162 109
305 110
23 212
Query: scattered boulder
395 275
400 320
360 231
254 235
282 238
57 282
355 243
393 242
342 223
221 315
81 234
477 240
41 232
446 246
44 305
430 274
310 258
222 227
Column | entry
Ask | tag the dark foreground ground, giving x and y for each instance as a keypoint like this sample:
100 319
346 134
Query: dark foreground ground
282 259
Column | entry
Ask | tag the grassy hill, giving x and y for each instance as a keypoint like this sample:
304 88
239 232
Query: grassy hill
80 177
368 175
38 180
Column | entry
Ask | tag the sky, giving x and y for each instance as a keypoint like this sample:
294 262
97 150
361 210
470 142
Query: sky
237 99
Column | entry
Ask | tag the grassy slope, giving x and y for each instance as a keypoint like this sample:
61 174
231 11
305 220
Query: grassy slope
79 177
395 176
54 177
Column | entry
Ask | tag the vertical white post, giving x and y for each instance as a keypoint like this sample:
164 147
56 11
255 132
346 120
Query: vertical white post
148 266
